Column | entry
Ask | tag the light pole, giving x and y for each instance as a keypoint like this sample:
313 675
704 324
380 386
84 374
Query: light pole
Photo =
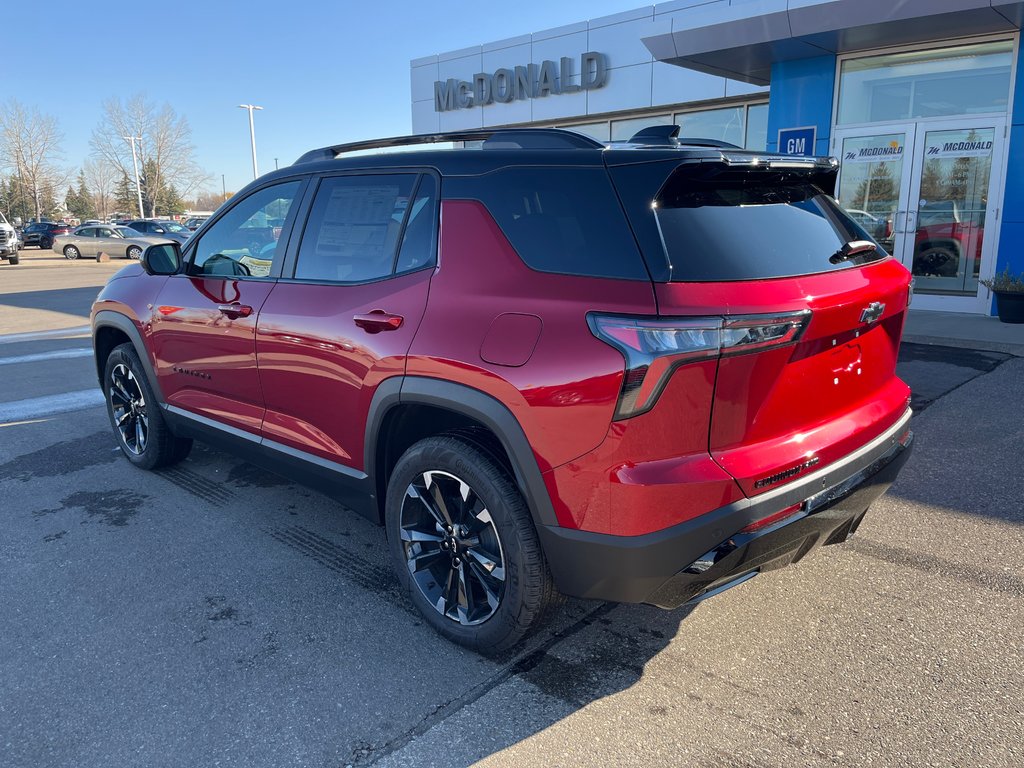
135 163
252 136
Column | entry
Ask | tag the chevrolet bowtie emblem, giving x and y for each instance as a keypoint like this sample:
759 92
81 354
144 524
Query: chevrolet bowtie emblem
872 312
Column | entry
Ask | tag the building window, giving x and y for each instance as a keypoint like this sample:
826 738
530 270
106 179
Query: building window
962 80
721 124
624 130
597 131
757 128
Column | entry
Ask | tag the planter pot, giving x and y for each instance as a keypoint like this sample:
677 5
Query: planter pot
1010 306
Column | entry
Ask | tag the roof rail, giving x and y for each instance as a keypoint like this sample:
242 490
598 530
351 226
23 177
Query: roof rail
492 138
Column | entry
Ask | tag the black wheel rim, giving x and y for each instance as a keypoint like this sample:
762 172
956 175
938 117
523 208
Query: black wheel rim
452 548
128 406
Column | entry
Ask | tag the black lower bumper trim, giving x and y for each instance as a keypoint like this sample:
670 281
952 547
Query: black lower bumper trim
679 565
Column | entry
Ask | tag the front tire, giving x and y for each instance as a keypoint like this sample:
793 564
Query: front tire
134 252
464 547
71 253
142 434
14 259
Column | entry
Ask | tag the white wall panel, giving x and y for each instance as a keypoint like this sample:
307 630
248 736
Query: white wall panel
673 85
424 118
628 88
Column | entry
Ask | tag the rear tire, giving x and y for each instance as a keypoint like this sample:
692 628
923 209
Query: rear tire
71 253
135 415
464 546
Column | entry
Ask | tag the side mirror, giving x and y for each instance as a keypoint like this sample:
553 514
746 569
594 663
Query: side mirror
162 259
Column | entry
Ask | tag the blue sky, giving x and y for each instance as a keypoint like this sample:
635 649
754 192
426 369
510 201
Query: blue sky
325 72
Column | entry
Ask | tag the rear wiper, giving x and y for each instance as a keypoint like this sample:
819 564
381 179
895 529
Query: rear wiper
851 249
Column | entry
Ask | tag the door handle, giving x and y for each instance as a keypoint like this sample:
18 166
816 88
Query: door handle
911 221
235 310
897 226
378 320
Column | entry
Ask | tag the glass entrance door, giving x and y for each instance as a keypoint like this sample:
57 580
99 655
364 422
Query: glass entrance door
874 180
953 196
926 192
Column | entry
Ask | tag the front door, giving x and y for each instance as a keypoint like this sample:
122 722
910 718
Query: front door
926 191
204 320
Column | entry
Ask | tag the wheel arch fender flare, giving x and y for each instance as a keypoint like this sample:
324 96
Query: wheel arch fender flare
474 404
109 319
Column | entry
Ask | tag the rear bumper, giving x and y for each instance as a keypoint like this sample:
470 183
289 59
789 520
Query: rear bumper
707 554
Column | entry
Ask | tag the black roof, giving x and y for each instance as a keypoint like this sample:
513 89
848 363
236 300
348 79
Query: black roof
503 147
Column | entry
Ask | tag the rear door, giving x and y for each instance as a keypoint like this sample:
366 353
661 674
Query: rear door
204 322
751 245
344 314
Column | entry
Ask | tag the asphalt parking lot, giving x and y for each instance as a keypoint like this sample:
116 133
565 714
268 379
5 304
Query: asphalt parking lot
213 614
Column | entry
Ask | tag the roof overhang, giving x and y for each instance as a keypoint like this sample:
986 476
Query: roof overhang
742 41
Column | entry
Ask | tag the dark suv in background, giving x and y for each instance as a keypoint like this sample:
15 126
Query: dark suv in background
41 234
644 372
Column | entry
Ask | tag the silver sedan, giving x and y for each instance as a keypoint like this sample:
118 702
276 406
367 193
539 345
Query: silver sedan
114 240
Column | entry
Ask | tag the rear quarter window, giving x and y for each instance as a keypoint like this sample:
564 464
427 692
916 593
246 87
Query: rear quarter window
562 220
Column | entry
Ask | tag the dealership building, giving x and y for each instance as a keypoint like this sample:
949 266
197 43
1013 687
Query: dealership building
917 98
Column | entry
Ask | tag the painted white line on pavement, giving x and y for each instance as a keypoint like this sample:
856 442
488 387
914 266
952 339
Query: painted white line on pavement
39 407
60 333
39 357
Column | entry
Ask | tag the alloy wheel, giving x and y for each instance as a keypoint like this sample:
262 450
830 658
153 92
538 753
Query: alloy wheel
128 404
452 548
134 252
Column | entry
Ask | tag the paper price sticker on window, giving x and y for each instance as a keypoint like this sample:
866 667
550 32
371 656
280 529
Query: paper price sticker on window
954 149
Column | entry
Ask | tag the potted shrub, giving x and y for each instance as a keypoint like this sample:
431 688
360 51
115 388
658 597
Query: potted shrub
1009 290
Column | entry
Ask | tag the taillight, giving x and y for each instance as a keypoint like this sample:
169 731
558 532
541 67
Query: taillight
654 347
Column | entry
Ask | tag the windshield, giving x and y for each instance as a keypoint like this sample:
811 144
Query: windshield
173 226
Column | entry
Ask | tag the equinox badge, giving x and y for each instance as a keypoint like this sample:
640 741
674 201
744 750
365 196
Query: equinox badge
872 312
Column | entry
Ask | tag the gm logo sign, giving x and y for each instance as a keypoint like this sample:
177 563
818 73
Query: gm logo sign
797 141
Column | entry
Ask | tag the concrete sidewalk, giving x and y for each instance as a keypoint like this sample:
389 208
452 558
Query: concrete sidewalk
951 329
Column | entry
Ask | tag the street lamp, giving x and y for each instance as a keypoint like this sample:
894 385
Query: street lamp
135 163
252 136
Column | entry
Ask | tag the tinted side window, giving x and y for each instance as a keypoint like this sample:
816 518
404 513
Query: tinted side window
353 227
244 241
564 220
418 241
87 232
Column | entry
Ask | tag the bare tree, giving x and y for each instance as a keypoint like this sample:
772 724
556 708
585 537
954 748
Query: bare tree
30 147
166 148
101 178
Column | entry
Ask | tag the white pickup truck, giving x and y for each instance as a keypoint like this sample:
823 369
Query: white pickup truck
10 243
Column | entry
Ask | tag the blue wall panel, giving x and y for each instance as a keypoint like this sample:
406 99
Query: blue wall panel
801 95
1011 238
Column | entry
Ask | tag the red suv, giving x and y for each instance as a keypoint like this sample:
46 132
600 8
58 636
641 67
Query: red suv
640 373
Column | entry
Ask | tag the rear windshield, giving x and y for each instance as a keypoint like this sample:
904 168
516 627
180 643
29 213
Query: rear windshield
747 229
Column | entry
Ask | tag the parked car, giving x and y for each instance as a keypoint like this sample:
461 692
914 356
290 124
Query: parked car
946 241
193 223
582 396
42 233
170 230
879 227
10 242
113 240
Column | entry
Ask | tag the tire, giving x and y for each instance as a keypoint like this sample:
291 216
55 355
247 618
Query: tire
131 402
482 545
134 252
71 252
937 259
14 258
